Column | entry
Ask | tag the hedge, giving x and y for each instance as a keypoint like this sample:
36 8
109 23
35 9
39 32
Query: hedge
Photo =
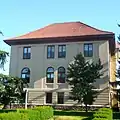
38 113
103 114
31 114
46 112
116 115
13 116
7 110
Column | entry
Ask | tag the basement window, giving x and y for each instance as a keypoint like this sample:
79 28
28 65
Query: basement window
60 97
48 97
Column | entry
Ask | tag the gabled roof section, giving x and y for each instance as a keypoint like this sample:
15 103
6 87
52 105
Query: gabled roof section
57 30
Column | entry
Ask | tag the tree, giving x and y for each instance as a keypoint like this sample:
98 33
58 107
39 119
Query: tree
3 56
118 69
81 75
11 89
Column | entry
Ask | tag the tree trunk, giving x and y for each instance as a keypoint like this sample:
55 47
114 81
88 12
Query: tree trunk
5 106
86 108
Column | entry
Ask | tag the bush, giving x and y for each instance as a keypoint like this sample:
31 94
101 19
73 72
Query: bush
116 115
13 116
32 114
103 114
46 112
38 113
7 110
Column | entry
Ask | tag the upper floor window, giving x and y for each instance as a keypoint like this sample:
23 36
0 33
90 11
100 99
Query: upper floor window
50 75
88 50
61 51
25 74
61 75
50 51
26 52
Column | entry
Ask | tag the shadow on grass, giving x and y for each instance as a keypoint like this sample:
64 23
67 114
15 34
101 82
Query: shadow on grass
89 118
74 113
116 115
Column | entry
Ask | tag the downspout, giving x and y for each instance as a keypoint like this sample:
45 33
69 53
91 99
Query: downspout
26 97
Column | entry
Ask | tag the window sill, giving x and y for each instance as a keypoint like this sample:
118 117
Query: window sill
49 83
60 83
50 58
88 56
26 58
61 57
48 103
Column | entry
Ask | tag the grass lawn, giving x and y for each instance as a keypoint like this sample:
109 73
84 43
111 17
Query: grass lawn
71 115
69 118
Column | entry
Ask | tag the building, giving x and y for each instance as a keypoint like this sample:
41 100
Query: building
118 60
42 57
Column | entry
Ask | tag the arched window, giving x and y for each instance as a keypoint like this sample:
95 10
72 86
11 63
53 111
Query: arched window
25 74
50 75
61 75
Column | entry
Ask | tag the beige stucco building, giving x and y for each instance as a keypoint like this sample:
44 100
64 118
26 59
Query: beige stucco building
42 57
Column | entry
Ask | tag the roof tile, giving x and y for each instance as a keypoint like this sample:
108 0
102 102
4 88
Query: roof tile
62 30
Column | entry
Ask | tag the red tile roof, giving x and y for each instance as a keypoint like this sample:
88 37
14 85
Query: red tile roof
62 30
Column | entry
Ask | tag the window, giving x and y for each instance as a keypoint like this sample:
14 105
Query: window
61 75
60 98
88 50
50 75
26 52
61 51
50 51
25 74
48 97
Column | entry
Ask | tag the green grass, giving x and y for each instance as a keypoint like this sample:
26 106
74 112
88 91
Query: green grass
72 115
68 118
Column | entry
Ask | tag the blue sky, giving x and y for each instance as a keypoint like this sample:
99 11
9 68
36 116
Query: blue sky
19 17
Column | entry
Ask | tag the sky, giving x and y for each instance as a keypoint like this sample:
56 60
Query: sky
18 17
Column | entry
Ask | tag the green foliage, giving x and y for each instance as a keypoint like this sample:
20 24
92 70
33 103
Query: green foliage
13 116
103 114
7 110
116 115
38 113
11 89
45 111
81 75
3 56
72 113
32 114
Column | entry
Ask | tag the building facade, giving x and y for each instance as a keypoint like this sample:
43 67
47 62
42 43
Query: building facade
42 57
